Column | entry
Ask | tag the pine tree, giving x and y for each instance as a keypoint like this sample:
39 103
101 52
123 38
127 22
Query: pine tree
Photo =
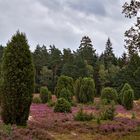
18 81
132 35
108 56
86 50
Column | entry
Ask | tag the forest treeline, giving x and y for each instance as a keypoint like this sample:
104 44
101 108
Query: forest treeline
106 69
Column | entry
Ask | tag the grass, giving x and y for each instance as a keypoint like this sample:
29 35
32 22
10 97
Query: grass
79 136
133 136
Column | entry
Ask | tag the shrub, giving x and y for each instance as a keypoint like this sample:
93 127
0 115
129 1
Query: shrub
108 113
64 82
83 116
66 94
86 89
36 100
77 88
109 94
125 88
45 94
62 105
133 115
17 81
73 103
51 103
128 98
98 120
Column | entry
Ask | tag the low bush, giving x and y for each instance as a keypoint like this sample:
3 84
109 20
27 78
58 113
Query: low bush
108 113
64 82
36 100
66 94
83 116
109 94
45 94
51 103
73 103
62 105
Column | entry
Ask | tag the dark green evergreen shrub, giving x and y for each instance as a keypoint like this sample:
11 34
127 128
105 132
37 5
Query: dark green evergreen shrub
62 105
36 100
17 81
64 82
83 116
77 88
125 88
128 98
45 94
86 89
109 94
66 94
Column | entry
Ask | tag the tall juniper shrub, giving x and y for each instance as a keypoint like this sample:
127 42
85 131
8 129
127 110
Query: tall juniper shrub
85 90
17 81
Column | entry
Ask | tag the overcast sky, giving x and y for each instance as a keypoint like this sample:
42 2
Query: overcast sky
64 22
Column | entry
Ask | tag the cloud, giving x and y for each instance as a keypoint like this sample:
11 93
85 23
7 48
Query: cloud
64 22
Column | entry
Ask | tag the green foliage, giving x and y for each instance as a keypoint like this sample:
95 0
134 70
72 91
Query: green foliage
133 115
77 87
108 113
36 100
17 81
98 120
109 94
62 105
45 94
66 94
128 98
85 90
64 82
51 103
74 103
6 129
83 116
86 50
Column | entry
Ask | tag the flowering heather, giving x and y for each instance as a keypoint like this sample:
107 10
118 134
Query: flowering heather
120 125
43 123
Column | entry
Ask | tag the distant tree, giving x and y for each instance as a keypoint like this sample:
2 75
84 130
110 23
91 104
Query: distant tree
86 50
97 78
67 56
46 77
131 9
108 55
132 35
123 60
55 63
69 67
129 74
18 81
40 59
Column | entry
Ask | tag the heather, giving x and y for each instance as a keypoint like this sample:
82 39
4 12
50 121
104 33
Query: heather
44 123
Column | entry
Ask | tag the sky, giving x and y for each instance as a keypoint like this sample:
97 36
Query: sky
64 22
